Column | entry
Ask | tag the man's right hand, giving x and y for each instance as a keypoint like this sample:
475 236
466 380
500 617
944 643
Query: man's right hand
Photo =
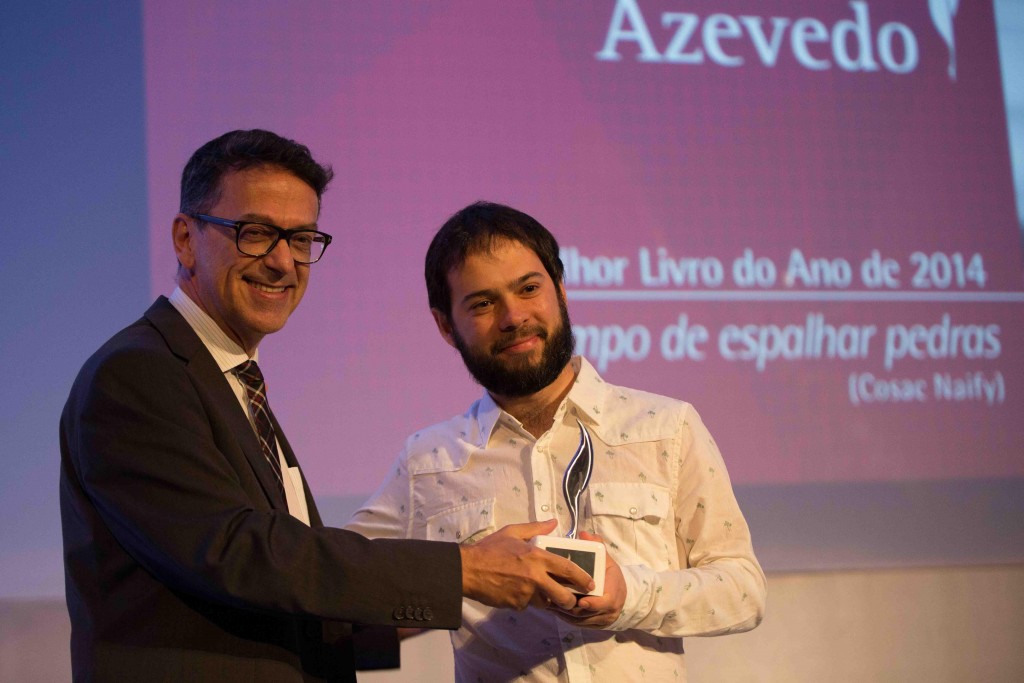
505 570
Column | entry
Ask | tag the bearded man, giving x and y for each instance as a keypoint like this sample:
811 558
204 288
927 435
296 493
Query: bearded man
680 561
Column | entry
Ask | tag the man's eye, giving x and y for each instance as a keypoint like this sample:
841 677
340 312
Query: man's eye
257 233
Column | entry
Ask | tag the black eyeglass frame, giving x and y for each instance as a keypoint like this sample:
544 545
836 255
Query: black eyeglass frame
286 235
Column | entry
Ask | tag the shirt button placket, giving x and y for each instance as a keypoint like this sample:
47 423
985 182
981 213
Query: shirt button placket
540 460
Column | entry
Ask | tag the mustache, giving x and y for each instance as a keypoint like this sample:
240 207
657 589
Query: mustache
510 338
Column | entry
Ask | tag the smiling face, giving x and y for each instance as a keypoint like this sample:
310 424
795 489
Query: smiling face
508 320
247 297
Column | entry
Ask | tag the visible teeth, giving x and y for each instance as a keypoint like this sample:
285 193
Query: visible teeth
267 288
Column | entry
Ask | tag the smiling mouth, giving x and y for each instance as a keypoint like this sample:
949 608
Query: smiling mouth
521 344
265 288
516 345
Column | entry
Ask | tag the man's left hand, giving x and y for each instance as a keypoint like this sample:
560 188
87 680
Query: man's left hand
598 611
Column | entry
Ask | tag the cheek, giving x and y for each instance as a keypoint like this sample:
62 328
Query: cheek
551 310
475 330
301 281
219 269
212 273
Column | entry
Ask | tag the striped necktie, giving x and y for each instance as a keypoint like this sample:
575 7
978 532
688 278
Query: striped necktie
256 390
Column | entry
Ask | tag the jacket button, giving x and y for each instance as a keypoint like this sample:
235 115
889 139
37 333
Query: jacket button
399 613
418 614
428 614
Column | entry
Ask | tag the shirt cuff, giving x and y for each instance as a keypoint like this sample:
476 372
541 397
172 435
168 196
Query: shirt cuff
639 582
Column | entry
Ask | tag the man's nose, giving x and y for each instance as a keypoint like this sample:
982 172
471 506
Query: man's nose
514 314
280 257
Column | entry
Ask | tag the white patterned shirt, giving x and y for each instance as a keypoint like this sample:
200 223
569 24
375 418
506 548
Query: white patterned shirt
659 496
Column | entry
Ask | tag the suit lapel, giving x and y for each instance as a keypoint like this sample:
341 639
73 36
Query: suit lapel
185 343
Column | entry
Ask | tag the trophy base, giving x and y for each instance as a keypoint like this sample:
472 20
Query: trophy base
587 555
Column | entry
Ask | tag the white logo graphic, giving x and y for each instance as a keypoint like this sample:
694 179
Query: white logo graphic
942 12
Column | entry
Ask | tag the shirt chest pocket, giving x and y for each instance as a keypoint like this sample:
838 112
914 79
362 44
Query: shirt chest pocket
635 519
464 523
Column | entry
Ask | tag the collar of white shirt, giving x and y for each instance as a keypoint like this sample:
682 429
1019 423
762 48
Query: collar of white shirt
587 398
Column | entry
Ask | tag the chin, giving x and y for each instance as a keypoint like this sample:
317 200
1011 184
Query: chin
264 326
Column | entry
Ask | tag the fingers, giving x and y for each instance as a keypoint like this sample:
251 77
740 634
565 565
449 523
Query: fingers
555 595
568 574
595 603
528 530
591 612
557 581
589 620
599 611
541 600
504 570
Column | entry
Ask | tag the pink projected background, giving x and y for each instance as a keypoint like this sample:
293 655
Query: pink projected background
798 216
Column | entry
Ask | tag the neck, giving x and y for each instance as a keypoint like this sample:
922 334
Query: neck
537 411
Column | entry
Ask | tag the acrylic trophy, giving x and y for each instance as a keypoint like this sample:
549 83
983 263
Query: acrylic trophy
588 555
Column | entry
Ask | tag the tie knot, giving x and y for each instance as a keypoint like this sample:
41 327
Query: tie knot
250 374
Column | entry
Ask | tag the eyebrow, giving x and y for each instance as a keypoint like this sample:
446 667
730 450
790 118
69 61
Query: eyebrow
518 282
267 220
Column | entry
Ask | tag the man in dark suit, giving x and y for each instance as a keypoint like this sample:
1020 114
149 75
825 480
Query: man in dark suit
193 550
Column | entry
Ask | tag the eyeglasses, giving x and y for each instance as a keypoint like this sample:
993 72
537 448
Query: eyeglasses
259 239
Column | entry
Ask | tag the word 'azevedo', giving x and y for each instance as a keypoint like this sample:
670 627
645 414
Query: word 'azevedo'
850 44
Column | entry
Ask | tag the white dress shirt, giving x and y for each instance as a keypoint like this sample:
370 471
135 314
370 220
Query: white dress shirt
659 495
228 355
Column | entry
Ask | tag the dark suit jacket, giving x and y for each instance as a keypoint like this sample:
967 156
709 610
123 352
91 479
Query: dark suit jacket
181 561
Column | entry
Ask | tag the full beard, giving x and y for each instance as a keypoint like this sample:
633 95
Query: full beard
517 376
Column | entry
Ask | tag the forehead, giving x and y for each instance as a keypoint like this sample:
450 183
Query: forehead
269 192
498 264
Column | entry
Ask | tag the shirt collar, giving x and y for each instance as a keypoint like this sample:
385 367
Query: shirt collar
586 398
488 415
224 350
589 393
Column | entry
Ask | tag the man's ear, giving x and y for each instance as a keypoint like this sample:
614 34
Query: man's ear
183 235
444 326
